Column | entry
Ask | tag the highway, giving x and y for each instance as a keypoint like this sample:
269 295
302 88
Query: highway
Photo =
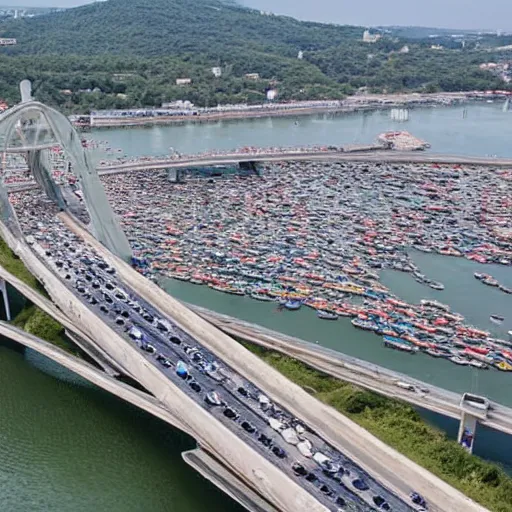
366 375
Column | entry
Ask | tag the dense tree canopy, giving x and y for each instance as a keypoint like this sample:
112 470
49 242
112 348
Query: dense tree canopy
75 57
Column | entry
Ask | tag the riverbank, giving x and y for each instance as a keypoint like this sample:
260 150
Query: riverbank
360 103
402 428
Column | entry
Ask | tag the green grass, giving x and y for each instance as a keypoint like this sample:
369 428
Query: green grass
38 323
10 262
399 425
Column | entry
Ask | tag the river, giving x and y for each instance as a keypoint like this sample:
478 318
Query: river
485 130
66 445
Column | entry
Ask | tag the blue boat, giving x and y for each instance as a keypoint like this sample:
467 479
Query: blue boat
399 344
293 305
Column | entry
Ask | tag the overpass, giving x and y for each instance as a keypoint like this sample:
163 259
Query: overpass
388 156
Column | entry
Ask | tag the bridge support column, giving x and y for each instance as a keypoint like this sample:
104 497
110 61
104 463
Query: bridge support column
467 430
174 175
5 296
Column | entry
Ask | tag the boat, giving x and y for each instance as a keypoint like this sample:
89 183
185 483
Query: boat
398 344
505 289
293 305
325 315
503 366
262 297
497 319
478 364
367 325
436 285
459 360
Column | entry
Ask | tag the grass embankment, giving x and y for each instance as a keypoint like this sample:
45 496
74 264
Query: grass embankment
32 319
401 427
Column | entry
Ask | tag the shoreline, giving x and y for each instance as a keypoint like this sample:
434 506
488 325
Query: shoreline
352 104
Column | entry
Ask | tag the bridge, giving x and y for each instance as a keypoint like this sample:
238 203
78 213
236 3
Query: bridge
273 441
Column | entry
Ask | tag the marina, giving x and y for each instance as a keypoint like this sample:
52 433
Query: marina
318 235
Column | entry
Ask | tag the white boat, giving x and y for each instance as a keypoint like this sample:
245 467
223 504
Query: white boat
478 364
459 361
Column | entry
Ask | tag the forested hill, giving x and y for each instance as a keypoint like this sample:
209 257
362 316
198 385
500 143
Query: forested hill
130 53
163 27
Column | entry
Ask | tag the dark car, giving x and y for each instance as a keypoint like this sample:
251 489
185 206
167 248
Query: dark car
381 503
299 469
360 484
279 452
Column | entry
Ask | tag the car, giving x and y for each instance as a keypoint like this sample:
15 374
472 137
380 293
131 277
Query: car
381 503
265 440
279 452
135 333
418 499
195 386
163 360
175 340
248 427
299 469
119 320
360 484
326 490
243 391
109 286
104 309
108 298
231 413
340 502
213 398
147 347
311 477
93 300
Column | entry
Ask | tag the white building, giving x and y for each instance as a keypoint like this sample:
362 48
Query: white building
217 72
300 56
370 38
271 94
183 81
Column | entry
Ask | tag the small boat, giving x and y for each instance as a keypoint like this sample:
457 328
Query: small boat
262 297
478 364
458 360
505 289
397 344
324 315
436 285
293 305
503 366
497 319
479 275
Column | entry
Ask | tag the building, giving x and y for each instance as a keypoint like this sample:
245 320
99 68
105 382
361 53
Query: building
183 81
271 94
404 49
217 72
178 105
436 47
370 38
252 76
7 41
300 56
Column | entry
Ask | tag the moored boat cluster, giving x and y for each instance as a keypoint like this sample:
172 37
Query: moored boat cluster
316 235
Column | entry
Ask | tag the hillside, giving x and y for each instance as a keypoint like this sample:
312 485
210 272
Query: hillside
163 27
75 57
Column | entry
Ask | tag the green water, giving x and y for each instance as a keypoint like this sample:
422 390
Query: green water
463 293
68 446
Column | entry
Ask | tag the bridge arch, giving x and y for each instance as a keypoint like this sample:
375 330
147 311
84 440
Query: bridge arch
33 129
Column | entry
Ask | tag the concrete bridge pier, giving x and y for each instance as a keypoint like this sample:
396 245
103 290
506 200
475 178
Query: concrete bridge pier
175 175
473 408
467 431
5 297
